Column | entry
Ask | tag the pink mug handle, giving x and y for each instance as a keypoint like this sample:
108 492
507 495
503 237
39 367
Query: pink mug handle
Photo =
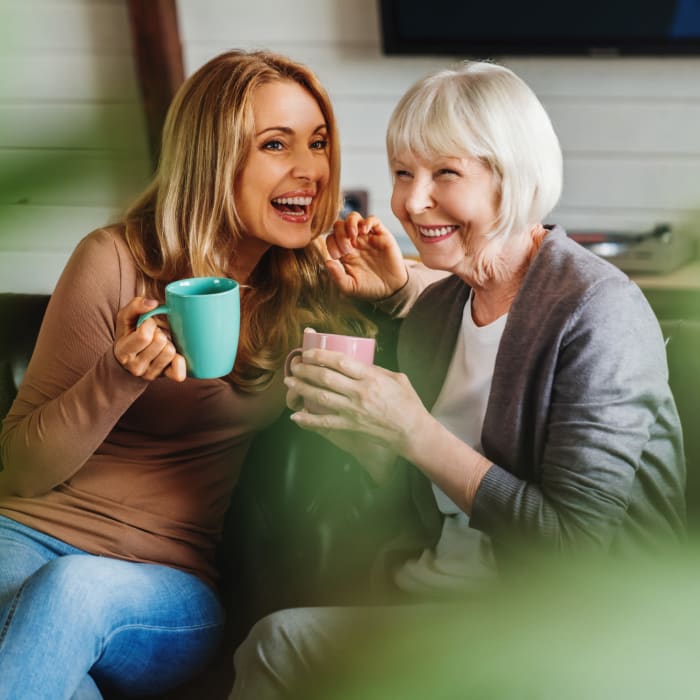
288 362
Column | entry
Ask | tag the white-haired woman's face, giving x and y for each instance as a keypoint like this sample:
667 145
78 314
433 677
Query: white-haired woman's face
446 205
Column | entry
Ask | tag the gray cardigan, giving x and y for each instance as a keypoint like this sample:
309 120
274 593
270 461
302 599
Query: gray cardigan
581 425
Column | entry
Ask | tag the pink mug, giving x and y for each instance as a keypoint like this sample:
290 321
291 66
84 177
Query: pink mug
361 349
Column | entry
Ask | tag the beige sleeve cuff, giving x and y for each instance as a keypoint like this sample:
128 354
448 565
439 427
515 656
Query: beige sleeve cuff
419 278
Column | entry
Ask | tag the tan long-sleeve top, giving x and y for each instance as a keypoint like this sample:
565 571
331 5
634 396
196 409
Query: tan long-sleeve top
106 461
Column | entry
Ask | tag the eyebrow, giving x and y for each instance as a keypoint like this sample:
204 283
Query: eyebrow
289 130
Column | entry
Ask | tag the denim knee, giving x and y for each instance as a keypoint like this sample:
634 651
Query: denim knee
140 627
76 584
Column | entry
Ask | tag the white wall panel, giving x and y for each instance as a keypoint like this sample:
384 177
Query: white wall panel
54 229
77 178
293 21
64 25
345 70
33 273
647 128
655 78
641 183
73 148
47 77
86 125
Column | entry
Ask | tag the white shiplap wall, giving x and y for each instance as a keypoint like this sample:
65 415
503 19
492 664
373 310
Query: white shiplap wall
629 128
73 149
73 143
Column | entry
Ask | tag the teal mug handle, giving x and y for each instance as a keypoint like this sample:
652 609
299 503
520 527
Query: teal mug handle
158 310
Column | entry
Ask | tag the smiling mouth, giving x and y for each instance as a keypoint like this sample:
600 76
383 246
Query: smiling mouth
436 233
295 207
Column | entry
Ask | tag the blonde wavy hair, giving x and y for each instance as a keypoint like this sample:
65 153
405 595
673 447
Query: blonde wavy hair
186 223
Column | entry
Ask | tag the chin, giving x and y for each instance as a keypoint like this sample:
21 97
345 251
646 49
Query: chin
440 262
296 241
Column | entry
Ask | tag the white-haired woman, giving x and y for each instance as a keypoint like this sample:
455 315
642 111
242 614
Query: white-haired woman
532 411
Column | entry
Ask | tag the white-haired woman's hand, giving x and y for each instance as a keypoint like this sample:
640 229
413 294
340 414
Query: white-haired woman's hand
353 397
365 259
380 412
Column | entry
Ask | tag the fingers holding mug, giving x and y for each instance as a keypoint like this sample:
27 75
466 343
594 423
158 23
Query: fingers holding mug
144 349
128 316
349 355
131 339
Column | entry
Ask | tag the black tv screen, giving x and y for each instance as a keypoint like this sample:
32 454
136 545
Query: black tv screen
478 28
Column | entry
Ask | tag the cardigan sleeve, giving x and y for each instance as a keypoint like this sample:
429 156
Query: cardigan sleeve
612 436
419 279
74 390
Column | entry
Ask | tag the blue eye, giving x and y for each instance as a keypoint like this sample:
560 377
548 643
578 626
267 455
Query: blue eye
320 144
273 145
403 174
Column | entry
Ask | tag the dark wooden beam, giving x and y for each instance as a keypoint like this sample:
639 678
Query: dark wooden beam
158 57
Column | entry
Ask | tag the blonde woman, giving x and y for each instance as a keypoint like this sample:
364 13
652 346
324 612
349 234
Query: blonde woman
533 412
118 468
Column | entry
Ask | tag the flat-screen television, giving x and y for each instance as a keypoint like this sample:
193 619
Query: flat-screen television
488 28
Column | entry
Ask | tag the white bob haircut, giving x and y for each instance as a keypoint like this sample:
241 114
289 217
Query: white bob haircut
483 110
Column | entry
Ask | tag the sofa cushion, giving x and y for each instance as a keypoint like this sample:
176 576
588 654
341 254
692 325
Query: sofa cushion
683 352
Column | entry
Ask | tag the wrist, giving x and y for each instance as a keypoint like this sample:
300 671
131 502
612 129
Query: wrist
400 284
417 437
474 476
456 467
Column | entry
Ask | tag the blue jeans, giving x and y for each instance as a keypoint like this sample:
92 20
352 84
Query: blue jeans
72 621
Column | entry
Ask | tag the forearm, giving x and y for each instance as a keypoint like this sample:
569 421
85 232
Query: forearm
447 461
419 278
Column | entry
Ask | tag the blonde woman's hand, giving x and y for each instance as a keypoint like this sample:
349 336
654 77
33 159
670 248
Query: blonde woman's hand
146 351
365 259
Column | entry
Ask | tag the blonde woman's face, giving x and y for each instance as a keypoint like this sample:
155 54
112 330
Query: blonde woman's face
442 203
287 168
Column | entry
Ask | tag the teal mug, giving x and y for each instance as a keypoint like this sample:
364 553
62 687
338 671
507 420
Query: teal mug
205 318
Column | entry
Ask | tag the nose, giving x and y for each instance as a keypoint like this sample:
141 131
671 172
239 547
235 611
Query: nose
308 165
419 196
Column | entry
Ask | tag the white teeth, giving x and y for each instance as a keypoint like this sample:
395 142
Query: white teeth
436 232
301 201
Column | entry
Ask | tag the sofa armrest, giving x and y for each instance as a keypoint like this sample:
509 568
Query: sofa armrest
20 319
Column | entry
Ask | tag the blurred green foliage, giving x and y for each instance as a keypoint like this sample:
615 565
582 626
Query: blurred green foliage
591 631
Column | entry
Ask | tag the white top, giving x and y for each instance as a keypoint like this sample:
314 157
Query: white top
461 559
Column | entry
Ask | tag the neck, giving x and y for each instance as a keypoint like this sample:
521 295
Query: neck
497 283
247 255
